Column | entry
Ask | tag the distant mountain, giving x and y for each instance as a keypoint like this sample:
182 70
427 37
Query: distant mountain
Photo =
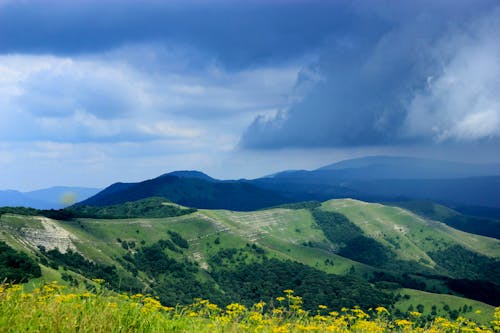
385 178
193 189
191 174
49 198
476 191
395 167
375 179
15 198
390 167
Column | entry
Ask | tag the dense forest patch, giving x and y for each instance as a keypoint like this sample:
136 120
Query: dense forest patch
16 266
352 243
463 263
264 280
146 208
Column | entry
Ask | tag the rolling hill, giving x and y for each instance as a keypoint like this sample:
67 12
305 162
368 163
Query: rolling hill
364 253
377 179
473 188
192 189
473 224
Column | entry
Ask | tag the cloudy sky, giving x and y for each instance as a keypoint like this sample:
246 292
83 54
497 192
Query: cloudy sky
94 92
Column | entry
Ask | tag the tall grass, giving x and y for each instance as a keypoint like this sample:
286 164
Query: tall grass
54 308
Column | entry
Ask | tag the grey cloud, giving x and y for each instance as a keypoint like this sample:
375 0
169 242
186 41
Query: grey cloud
65 87
237 34
461 101
110 98
393 88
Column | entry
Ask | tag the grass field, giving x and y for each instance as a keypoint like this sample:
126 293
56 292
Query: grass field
54 308
283 234
479 312
407 234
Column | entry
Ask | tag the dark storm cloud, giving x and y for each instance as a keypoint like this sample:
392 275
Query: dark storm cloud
431 77
236 33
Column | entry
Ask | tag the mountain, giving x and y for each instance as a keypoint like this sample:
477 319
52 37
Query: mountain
364 253
476 191
193 189
15 198
386 168
49 198
397 167
191 174
374 179
384 178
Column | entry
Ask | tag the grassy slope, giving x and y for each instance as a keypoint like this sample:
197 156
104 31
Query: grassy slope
408 235
42 311
439 300
473 224
281 232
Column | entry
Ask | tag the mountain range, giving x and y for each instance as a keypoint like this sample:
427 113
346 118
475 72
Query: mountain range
49 198
385 178
470 191
474 187
185 235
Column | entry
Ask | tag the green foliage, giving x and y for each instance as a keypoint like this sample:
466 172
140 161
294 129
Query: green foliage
145 208
477 276
473 224
18 210
366 250
59 214
55 308
173 281
16 266
265 281
350 239
300 205
178 240
77 263
168 244
336 227
154 261
485 291
401 279
164 267
476 225
191 192
463 263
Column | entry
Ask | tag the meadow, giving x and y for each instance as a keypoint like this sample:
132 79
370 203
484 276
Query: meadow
161 270
55 308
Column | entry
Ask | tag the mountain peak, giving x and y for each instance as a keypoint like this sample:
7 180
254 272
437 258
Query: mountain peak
190 174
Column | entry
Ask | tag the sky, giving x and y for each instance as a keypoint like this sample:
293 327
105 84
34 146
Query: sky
95 92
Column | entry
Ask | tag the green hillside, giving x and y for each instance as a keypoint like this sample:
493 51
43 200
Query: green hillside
441 305
410 236
341 253
473 224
